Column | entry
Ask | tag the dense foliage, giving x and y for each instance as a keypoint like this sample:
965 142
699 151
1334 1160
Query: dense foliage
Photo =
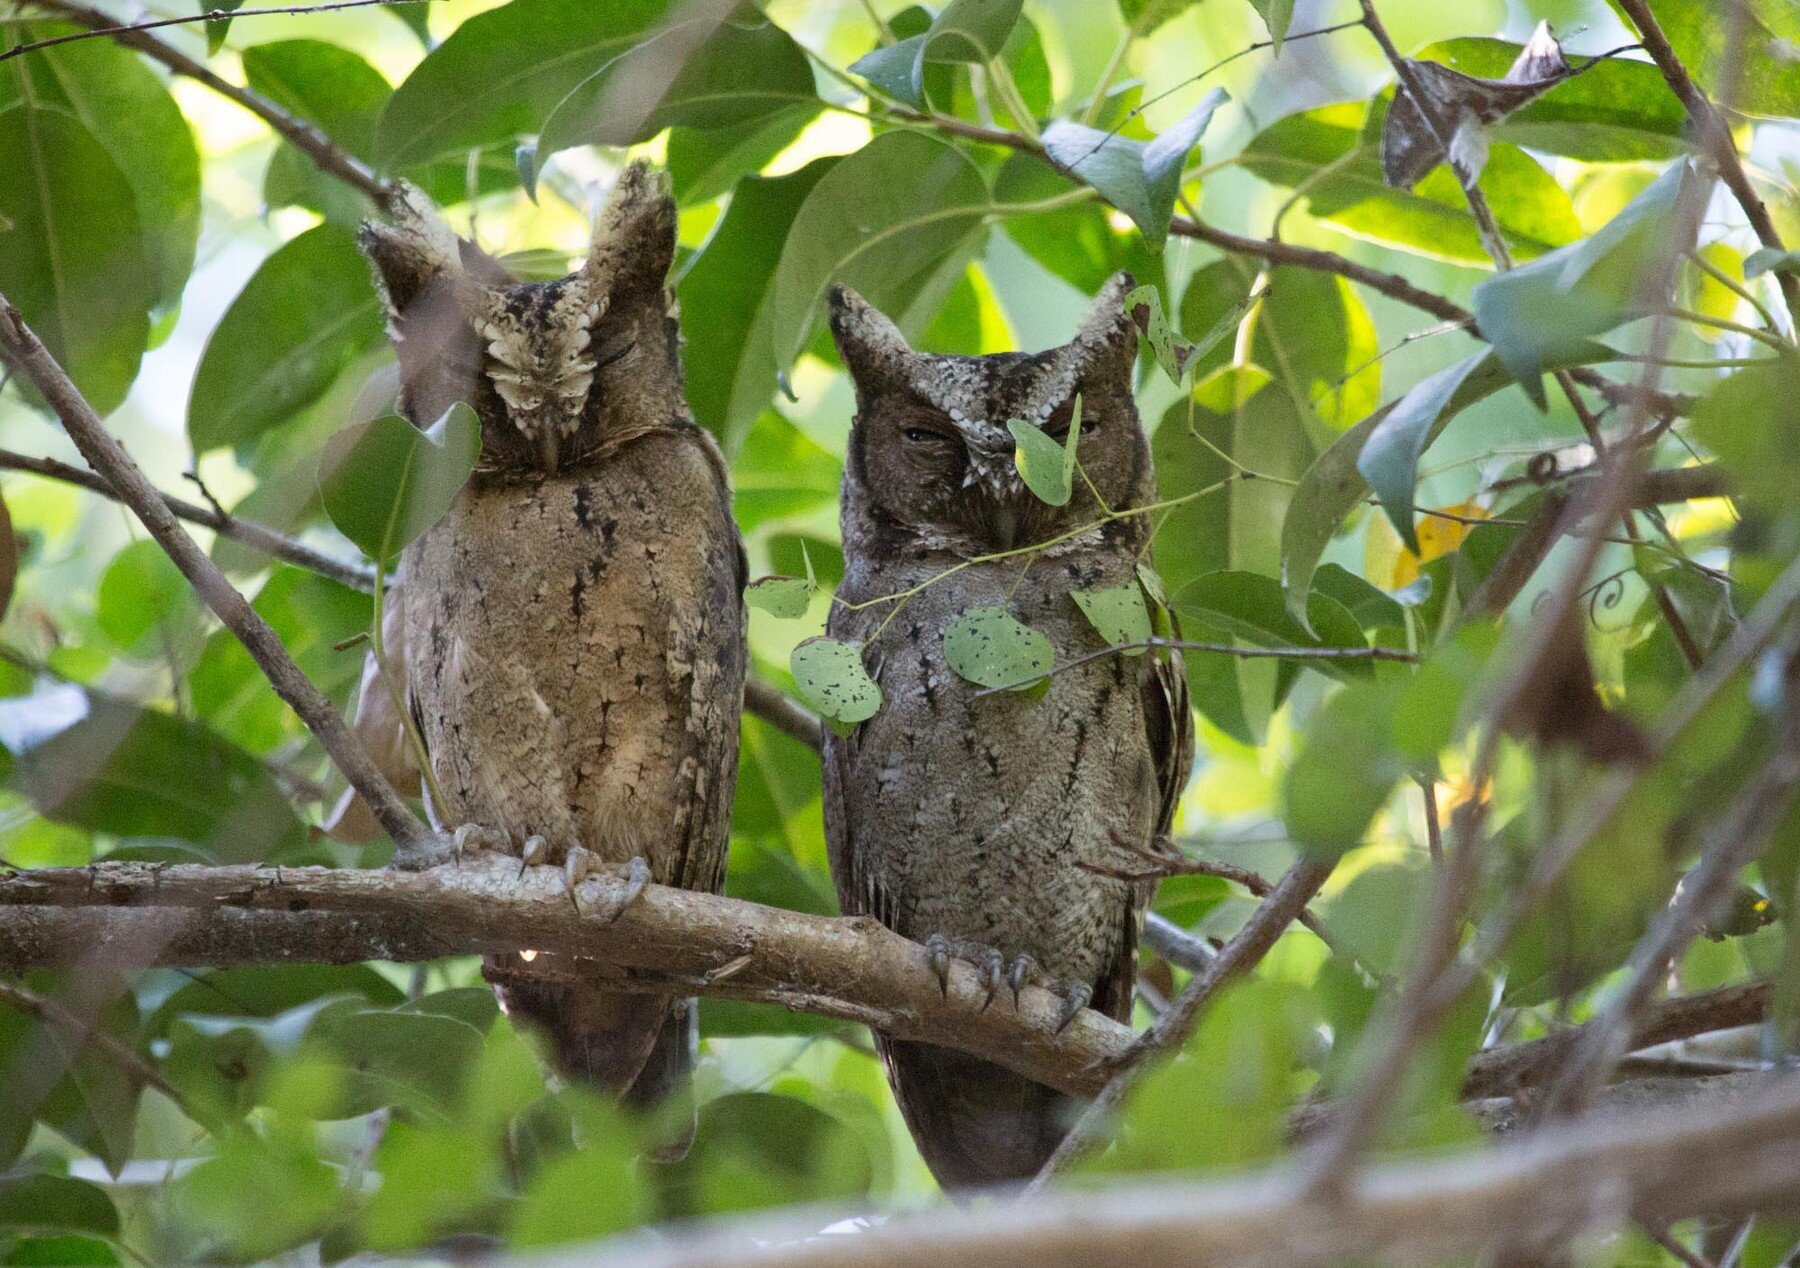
1350 473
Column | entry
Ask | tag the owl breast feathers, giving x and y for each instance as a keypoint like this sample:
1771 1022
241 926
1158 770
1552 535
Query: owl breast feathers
982 825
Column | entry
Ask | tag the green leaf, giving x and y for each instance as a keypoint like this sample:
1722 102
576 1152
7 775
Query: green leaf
707 162
1077 243
56 1204
297 1195
1331 156
1390 456
1547 310
727 302
831 677
1277 15
1314 334
501 72
584 1195
785 597
1047 468
882 220
385 482
341 94
1172 352
1769 260
1751 420
129 111
1249 605
1140 178
760 1150
966 31
1618 112
285 339
1345 771
142 593
745 71
101 763
1215 301
75 261
1117 613
1767 75
414 1061
992 648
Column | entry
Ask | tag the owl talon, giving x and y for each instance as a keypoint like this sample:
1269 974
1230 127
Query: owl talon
576 868
1023 966
989 969
937 947
472 836
637 876
532 853
1075 997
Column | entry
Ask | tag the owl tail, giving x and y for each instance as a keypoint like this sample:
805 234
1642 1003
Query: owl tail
634 1047
975 1123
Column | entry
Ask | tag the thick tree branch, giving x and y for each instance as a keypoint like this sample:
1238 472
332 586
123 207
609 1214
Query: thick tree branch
1714 135
851 969
1730 1153
414 841
328 155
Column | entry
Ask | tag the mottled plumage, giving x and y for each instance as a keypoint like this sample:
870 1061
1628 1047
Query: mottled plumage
574 628
966 822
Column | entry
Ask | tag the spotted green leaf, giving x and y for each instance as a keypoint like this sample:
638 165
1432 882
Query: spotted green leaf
785 597
1047 468
992 648
1118 613
831 677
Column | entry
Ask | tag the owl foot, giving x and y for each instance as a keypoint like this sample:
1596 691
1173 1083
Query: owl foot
576 868
937 948
991 967
1023 969
472 836
637 877
988 969
1075 997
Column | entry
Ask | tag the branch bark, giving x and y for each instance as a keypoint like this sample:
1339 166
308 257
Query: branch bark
851 969
1730 1153
415 842
1714 135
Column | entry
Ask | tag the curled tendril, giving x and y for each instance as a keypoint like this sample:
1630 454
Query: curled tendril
1605 595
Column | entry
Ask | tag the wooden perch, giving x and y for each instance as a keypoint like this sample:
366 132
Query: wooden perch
1733 1150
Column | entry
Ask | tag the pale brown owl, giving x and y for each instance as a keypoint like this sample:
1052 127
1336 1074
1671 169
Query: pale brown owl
574 627
971 823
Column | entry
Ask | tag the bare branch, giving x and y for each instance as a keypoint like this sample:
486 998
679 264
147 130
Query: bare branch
773 706
1244 952
1734 1151
258 537
328 155
415 841
851 969
214 15
1714 135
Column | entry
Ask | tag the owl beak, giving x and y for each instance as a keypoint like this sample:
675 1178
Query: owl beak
550 449
1003 522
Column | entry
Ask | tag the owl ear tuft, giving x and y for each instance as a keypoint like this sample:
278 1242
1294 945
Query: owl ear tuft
1107 335
871 345
634 235
412 251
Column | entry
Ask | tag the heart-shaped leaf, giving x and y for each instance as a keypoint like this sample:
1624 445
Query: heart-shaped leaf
1118 613
831 677
992 648
785 597
385 482
1047 468
1140 178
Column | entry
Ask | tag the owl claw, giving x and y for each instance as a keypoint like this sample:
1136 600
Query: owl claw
937 947
637 876
1075 997
472 836
576 868
533 852
1023 966
989 968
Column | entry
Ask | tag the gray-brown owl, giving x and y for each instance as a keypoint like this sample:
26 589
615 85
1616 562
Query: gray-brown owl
964 822
574 628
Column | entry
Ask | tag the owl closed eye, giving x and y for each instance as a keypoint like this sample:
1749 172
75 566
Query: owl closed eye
930 448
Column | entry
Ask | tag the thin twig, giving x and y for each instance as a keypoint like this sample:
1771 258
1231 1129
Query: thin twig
1240 955
215 15
330 157
89 1031
258 537
1223 649
414 841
